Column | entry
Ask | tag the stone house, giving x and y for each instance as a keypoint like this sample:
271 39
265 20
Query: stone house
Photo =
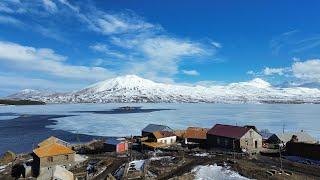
49 155
235 138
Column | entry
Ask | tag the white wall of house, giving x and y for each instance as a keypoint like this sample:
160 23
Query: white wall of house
167 140
251 141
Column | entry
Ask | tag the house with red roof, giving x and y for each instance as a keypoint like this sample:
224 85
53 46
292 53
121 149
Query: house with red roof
236 138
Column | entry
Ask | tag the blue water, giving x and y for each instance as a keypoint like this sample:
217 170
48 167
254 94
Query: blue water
85 120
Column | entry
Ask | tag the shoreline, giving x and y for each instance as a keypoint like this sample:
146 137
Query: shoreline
23 133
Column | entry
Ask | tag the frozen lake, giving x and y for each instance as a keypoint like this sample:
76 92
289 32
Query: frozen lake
274 117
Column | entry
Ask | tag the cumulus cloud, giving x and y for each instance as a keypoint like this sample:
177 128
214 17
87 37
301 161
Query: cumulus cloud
191 72
308 70
273 71
44 60
299 72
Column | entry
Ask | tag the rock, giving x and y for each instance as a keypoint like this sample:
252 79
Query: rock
7 157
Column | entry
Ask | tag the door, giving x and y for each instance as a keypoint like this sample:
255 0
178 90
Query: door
256 144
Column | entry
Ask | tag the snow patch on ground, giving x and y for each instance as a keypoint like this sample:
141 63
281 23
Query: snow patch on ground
137 164
160 158
215 172
201 154
2 168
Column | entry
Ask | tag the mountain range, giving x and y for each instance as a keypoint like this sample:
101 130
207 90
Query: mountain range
131 88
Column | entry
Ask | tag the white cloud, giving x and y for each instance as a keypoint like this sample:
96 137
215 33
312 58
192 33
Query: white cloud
10 20
49 5
191 72
109 24
273 71
104 49
66 2
308 70
216 44
17 82
250 72
44 60
5 8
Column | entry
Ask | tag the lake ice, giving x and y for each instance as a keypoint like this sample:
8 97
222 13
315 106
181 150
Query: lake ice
275 117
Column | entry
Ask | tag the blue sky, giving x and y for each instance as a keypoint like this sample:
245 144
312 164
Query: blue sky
65 45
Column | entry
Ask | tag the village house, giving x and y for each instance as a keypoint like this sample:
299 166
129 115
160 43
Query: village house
51 153
196 137
53 139
116 145
160 139
235 138
283 138
149 129
164 137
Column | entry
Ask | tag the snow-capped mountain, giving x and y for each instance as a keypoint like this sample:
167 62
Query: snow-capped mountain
131 88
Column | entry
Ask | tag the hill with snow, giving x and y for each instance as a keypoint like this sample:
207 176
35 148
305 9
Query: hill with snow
131 88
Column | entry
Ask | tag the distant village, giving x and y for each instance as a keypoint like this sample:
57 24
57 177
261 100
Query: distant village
163 153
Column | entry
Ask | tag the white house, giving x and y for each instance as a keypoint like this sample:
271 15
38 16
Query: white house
165 137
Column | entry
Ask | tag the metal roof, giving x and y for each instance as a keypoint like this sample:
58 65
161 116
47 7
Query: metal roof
52 149
265 135
163 134
156 127
302 137
114 141
228 131
196 133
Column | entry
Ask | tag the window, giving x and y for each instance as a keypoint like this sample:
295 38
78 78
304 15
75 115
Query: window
67 157
165 141
171 141
50 159
218 141
256 144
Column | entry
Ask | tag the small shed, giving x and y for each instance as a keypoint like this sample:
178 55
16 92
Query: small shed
196 136
149 129
119 145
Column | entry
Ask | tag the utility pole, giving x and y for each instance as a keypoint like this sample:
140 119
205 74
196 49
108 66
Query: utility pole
280 158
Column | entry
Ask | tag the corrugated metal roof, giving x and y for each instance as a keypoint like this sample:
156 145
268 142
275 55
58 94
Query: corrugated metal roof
53 149
196 133
115 141
265 135
302 137
228 131
163 134
156 127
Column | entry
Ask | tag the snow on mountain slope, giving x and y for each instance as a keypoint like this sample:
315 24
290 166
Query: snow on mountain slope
29 94
131 88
